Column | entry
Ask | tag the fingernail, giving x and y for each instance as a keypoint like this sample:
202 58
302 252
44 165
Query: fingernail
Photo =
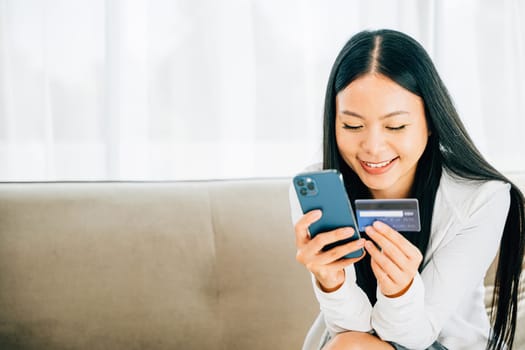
379 225
317 213
349 231
360 243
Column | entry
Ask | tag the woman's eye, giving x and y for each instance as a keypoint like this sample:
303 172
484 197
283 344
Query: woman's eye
394 128
351 127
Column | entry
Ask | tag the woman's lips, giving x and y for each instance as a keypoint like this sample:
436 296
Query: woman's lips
378 168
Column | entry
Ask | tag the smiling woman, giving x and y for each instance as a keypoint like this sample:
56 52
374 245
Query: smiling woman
391 129
381 129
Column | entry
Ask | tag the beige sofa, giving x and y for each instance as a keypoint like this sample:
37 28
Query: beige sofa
152 265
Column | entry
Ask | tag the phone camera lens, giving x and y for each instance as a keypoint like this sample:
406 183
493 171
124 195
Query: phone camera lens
310 186
303 191
300 182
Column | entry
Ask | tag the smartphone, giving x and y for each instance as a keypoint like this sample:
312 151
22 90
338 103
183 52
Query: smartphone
325 190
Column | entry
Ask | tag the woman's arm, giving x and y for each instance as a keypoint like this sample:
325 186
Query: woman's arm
344 305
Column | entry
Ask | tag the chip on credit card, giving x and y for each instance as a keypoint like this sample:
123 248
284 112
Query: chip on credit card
400 214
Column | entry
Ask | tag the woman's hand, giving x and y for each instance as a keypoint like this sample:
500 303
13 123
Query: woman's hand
327 266
396 264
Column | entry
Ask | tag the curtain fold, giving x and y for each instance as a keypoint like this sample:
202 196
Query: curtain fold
162 89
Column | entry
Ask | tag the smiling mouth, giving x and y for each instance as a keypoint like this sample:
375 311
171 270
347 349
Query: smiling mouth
379 165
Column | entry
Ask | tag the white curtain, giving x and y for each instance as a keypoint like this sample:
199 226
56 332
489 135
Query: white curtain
195 89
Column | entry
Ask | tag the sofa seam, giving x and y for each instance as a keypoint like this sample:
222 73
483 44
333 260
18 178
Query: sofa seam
215 269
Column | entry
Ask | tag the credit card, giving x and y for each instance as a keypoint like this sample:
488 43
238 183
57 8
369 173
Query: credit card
400 214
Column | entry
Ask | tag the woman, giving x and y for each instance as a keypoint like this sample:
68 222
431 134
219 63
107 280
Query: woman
391 129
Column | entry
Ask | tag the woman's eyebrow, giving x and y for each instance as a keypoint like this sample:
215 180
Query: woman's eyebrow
357 115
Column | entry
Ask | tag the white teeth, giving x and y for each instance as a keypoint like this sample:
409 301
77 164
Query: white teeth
378 165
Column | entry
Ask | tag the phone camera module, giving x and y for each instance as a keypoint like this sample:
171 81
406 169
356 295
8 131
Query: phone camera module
306 186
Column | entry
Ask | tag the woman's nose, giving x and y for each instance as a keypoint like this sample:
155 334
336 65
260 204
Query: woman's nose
373 142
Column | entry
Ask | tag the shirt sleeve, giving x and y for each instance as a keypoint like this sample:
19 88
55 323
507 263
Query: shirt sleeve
455 269
346 309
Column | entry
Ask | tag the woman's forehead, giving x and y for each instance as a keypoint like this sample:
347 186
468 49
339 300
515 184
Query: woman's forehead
375 94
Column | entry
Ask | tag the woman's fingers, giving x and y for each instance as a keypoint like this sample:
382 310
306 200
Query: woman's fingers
384 263
302 235
388 248
390 279
342 263
339 252
312 252
411 251
396 263
322 240
327 266
309 249
383 279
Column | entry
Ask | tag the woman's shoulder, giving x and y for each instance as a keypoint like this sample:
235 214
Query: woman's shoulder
454 182
468 194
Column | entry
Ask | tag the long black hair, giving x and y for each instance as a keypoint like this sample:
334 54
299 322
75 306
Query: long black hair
404 61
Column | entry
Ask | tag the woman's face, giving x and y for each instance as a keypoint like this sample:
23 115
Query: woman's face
381 133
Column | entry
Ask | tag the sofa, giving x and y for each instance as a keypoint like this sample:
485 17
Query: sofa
153 265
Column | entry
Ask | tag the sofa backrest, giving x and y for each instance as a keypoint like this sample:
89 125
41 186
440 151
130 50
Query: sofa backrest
170 265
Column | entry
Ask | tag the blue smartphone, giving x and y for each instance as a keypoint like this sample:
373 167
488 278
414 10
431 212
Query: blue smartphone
325 190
